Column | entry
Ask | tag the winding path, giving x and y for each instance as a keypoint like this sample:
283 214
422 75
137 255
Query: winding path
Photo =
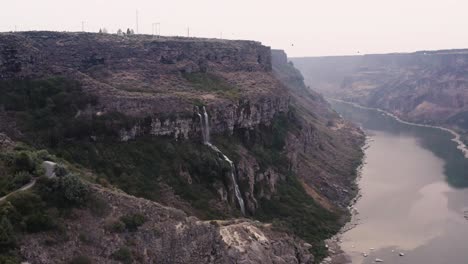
49 167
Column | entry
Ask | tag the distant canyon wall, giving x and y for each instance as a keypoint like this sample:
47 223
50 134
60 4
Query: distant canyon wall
425 87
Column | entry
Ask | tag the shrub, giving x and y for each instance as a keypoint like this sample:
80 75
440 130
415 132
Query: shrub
85 238
9 259
64 192
22 178
74 190
123 255
157 231
24 162
115 226
60 170
133 221
7 235
43 155
98 206
81 260
39 222
26 203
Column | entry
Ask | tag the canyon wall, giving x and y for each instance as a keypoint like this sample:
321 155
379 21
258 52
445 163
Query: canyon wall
425 87
145 77
127 109
326 147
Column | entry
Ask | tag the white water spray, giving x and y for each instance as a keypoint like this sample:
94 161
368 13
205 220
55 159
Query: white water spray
205 129
207 126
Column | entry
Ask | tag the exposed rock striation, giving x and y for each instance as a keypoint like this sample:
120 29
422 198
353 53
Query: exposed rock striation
145 77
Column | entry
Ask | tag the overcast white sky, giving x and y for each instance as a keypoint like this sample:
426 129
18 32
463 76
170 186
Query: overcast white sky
301 27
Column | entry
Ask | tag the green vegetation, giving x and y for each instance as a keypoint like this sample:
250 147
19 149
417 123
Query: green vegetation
208 82
124 255
115 226
49 112
133 221
291 209
10 258
35 210
129 223
64 192
7 234
17 168
82 259
140 166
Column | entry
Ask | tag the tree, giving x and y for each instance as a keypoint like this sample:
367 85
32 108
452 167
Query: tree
100 31
120 32
73 190
129 32
7 234
24 162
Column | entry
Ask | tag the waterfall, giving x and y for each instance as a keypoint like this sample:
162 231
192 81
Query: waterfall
207 126
205 129
202 125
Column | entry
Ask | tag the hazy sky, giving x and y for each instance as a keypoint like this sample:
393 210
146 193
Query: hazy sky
301 27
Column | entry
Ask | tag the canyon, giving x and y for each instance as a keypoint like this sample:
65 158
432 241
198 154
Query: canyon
412 107
218 144
427 87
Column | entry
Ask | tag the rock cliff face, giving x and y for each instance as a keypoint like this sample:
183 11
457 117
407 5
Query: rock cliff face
325 149
145 77
294 158
426 86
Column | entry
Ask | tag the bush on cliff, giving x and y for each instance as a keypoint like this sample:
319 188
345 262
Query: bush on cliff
64 192
17 168
7 235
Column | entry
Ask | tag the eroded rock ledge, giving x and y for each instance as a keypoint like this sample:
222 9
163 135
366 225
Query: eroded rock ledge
168 236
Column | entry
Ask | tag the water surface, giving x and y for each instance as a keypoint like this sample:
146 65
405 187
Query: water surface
414 194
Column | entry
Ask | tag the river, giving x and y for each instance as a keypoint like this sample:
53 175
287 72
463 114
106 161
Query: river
413 193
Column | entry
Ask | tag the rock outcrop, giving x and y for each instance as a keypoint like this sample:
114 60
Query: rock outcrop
145 77
168 236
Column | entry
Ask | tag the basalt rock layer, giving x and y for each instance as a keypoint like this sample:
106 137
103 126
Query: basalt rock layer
146 77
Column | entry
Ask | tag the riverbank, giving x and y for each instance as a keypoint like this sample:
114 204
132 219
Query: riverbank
457 138
336 255
414 193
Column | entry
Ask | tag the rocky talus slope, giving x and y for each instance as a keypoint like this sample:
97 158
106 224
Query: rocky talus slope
424 87
133 112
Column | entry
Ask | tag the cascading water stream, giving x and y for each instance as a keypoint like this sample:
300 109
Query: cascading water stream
205 127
